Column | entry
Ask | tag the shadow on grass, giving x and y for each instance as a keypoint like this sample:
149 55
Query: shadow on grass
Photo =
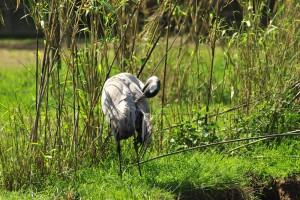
187 190
277 189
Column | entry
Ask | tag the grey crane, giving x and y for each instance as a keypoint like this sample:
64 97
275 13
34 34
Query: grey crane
125 105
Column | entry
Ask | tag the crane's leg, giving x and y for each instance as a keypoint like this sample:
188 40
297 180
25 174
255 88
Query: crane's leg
117 137
137 153
119 154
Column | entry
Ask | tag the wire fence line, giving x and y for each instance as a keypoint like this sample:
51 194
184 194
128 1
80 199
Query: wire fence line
266 137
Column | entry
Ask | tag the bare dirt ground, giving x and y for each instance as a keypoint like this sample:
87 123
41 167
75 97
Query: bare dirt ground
283 189
288 189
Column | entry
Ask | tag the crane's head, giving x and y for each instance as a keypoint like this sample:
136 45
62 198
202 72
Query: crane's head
151 87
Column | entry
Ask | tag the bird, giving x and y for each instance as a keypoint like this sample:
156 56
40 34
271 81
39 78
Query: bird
126 108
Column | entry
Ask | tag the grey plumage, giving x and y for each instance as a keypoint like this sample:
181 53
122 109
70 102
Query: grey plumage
125 105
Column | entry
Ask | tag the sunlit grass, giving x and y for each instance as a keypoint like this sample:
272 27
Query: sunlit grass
188 174
17 87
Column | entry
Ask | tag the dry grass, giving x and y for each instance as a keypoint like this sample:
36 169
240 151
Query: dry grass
16 58
17 54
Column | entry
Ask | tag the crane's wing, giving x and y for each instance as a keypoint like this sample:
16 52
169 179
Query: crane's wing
119 108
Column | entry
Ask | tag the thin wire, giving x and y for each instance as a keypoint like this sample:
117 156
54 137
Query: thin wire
287 134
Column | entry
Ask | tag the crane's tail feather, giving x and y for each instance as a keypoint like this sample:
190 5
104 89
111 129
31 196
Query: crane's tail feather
146 134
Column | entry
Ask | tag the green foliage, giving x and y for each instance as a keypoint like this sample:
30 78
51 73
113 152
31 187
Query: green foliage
221 83
193 133
195 174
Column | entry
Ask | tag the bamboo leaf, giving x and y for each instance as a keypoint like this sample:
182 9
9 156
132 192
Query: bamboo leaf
109 7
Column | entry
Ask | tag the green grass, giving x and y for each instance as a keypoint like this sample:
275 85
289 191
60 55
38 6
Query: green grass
17 88
206 174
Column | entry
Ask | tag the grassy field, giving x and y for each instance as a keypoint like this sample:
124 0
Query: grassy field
254 172
227 83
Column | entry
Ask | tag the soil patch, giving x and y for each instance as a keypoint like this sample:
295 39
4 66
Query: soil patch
282 189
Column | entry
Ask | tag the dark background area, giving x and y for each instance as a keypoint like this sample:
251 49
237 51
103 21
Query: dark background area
18 24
